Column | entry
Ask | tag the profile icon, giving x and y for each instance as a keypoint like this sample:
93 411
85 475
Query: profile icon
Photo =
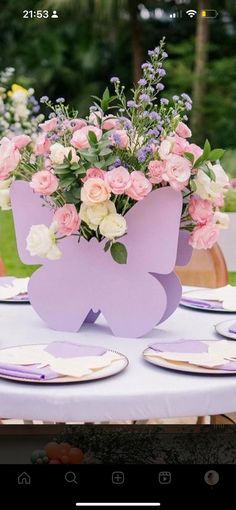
211 477
54 14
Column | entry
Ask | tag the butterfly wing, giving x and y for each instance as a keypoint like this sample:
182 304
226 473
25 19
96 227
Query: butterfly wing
153 231
28 209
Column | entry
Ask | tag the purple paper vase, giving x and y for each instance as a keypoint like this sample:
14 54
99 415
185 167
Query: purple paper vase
85 281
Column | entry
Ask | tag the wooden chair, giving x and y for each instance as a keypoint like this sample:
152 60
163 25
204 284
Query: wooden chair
2 268
207 268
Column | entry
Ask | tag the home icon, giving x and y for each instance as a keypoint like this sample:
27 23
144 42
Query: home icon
24 479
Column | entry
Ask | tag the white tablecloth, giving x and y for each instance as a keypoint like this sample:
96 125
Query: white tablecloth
142 391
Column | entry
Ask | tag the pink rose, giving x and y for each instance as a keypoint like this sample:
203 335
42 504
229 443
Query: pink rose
21 141
219 200
156 169
195 150
44 182
200 210
183 130
166 147
49 125
120 138
140 186
94 172
110 122
118 180
77 124
233 183
204 236
67 219
9 157
42 145
95 191
180 145
80 136
177 172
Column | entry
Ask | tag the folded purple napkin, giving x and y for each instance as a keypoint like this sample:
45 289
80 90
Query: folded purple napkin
180 346
27 372
232 328
201 303
73 350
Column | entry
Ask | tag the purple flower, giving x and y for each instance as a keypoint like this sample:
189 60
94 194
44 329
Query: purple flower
115 79
164 54
164 101
145 114
36 108
126 123
142 154
52 116
154 116
148 66
186 97
175 98
188 106
117 139
160 86
151 53
154 132
145 97
132 104
142 82
60 100
44 99
161 72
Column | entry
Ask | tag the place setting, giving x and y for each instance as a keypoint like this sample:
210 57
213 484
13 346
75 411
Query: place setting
215 357
59 362
222 299
14 290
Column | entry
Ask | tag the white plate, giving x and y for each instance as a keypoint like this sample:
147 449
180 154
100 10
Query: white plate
223 329
182 366
193 294
113 369
20 299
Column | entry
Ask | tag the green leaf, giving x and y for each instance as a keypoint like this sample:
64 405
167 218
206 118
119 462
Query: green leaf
193 185
199 161
119 253
64 166
206 150
105 152
67 181
61 171
69 157
216 154
189 156
92 138
105 99
107 246
74 166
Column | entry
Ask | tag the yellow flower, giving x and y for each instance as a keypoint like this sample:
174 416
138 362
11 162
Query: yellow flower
17 88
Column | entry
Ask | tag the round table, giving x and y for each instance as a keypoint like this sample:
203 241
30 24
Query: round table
140 392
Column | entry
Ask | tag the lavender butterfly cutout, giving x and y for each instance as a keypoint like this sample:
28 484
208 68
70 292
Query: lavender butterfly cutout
85 281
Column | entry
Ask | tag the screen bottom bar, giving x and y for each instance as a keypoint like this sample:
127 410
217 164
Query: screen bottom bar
140 505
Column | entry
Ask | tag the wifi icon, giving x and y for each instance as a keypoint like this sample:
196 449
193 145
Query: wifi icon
191 13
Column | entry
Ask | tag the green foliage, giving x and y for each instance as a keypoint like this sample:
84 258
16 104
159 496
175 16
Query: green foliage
119 253
230 201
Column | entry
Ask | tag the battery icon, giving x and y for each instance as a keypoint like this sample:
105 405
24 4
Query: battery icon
209 13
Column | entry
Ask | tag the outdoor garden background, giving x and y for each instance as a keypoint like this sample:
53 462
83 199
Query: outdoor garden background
75 55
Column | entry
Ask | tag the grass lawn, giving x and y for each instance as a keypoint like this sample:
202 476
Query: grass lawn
8 250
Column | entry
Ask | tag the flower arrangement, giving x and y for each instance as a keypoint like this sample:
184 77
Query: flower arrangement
19 109
92 171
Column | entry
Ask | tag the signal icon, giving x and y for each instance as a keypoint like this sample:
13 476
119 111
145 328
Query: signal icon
191 13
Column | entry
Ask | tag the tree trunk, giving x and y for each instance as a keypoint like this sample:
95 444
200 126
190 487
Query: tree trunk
201 57
136 39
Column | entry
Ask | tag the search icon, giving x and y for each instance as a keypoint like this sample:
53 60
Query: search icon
70 477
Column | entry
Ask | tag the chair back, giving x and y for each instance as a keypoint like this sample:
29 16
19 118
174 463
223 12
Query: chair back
207 268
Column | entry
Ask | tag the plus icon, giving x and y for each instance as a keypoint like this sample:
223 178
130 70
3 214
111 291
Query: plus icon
118 477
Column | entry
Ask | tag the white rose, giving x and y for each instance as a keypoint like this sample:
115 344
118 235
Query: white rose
165 148
58 152
113 225
5 201
207 188
41 242
94 214
221 219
